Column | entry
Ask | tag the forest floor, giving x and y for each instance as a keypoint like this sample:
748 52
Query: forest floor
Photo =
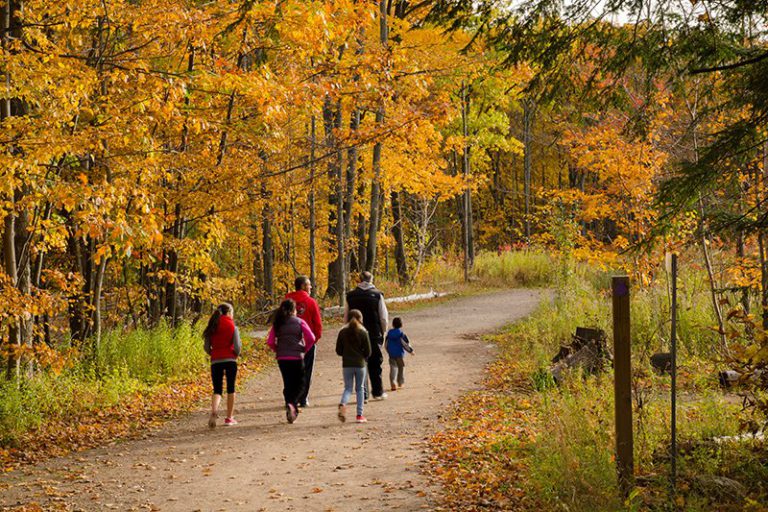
317 463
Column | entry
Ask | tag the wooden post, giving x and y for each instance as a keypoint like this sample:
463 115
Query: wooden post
622 383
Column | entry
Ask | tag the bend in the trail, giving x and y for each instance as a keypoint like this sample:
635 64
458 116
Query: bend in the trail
316 463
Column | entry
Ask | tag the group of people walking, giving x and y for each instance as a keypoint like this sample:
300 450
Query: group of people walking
296 329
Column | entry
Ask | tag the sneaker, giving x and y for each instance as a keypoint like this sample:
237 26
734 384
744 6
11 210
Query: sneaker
212 420
361 419
342 413
304 404
383 396
228 422
290 413
394 388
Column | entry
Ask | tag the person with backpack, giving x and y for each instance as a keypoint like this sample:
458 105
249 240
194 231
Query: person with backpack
354 347
370 302
290 338
222 343
308 310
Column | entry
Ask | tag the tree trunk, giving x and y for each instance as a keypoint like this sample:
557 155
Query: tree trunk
374 217
763 278
704 242
349 196
171 291
267 246
312 210
331 123
467 230
9 106
24 278
527 122
397 231
9 263
760 188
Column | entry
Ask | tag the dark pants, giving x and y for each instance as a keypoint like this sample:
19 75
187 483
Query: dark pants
309 365
374 368
218 370
293 379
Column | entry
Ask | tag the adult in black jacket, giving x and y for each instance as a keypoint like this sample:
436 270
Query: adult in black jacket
370 301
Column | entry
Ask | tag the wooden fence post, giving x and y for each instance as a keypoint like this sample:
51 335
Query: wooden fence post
622 383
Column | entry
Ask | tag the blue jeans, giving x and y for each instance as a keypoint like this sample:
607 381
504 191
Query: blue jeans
356 375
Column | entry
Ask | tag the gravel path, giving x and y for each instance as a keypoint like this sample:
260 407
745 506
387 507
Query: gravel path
318 463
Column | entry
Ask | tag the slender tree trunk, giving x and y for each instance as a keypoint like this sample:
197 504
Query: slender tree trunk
332 123
349 199
527 122
763 278
397 231
467 202
171 291
267 245
704 242
762 191
11 27
742 253
374 216
312 210
9 256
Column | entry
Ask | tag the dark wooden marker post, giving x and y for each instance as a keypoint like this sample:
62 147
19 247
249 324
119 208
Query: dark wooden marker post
622 381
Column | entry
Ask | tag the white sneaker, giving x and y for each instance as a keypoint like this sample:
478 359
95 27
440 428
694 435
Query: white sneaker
383 396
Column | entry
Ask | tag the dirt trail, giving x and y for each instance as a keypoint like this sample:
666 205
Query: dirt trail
318 463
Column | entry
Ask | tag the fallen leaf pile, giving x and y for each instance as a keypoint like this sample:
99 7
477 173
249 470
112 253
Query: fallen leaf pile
479 459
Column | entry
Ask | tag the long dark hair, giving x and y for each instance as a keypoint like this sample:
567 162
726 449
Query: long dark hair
213 322
286 309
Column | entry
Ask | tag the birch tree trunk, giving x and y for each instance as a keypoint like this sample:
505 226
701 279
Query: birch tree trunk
312 210
527 124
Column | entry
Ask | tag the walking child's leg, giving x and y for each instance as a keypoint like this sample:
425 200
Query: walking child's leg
401 371
297 382
360 380
231 372
392 373
285 372
215 401
217 376
349 383
216 379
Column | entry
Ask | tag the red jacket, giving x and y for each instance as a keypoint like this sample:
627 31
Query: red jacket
222 341
308 310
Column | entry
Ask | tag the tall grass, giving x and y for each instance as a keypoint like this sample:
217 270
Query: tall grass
155 355
570 464
126 362
516 268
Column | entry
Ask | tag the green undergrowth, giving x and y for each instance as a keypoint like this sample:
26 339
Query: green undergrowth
530 443
126 363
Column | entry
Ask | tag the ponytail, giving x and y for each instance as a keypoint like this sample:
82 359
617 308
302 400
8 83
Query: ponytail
213 322
356 319
286 309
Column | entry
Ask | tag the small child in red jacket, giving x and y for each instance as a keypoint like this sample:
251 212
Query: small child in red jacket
222 343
